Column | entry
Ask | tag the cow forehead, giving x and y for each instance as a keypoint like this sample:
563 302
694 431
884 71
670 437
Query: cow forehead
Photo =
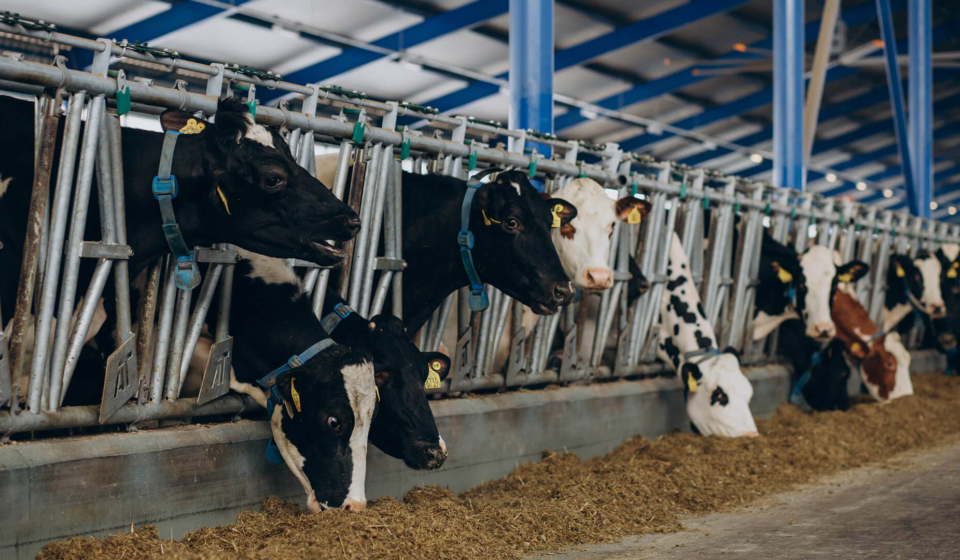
589 197
951 251
818 261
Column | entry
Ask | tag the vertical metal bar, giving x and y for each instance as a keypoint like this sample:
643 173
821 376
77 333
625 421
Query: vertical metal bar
58 226
531 67
338 187
719 251
71 271
121 274
397 207
879 287
802 225
865 286
920 42
197 319
366 210
828 24
788 68
149 301
164 331
918 202
368 267
48 121
178 338
748 244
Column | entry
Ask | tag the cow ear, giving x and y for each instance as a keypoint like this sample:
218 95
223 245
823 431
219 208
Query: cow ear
631 209
287 384
232 121
383 377
690 375
852 271
562 210
437 363
173 120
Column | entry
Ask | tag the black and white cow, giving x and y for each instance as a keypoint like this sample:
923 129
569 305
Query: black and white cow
268 204
328 402
513 250
404 427
949 256
826 388
716 390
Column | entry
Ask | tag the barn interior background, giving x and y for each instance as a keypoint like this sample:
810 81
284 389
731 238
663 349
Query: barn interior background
699 105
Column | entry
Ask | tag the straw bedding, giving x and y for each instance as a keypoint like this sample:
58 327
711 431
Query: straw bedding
642 487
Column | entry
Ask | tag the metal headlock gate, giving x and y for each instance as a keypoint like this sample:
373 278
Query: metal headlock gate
146 372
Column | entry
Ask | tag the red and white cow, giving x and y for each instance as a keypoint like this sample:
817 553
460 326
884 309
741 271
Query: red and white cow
717 392
822 272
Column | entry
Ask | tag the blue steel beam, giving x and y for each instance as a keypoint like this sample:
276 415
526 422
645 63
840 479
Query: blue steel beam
668 84
919 201
531 62
921 100
464 17
643 30
788 66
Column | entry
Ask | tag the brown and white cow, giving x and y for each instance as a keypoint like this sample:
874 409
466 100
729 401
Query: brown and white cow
884 361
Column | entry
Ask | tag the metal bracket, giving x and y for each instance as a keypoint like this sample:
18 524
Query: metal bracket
112 251
568 367
517 358
120 379
464 360
218 256
216 375
622 364
384 263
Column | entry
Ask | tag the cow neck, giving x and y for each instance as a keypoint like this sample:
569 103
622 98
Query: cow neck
434 267
144 234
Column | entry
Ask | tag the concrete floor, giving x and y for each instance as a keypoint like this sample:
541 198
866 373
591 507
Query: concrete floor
908 510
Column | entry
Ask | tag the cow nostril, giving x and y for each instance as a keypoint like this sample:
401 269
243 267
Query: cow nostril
562 292
352 223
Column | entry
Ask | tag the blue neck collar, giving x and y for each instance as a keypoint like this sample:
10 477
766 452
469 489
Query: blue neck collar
165 189
478 300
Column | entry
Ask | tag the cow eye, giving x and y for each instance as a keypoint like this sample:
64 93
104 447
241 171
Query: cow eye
274 182
511 224
334 423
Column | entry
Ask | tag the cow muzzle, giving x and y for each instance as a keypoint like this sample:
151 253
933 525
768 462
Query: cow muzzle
597 279
353 505
823 331
937 310
426 456
947 341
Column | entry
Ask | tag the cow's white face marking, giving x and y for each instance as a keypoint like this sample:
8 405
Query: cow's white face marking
361 392
443 445
903 385
4 183
951 251
291 456
932 298
587 251
256 393
721 403
257 132
271 270
516 185
819 270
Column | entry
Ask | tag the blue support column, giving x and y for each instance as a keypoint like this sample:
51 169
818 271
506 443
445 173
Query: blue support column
896 101
921 102
531 66
788 66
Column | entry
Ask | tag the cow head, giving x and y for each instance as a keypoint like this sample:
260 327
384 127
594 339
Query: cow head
780 271
718 396
827 387
931 271
903 385
858 334
905 282
815 297
583 243
405 427
322 427
511 224
251 191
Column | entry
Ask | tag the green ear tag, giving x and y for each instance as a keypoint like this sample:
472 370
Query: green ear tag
358 133
533 169
472 161
252 105
405 149
123 101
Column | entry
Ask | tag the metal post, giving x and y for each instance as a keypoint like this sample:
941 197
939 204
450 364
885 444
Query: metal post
531 67
919 202
338 187
921 101
788 66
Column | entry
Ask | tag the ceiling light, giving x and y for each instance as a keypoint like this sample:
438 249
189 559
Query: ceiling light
933 205
952 210
756 158
861 186
831 178
887 193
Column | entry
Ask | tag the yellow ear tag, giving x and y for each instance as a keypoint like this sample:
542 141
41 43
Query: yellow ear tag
955 265
784 276
433 378
900 272
691 384
556 215
224 199
844 278
378 392
487 221
295 395
634 216
855 347
193 127
952 273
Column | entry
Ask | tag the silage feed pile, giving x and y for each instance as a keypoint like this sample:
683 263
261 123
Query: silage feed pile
642 487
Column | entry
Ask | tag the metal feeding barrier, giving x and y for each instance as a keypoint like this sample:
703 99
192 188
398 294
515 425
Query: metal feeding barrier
601 336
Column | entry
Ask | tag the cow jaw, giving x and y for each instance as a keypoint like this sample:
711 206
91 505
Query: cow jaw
721 404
